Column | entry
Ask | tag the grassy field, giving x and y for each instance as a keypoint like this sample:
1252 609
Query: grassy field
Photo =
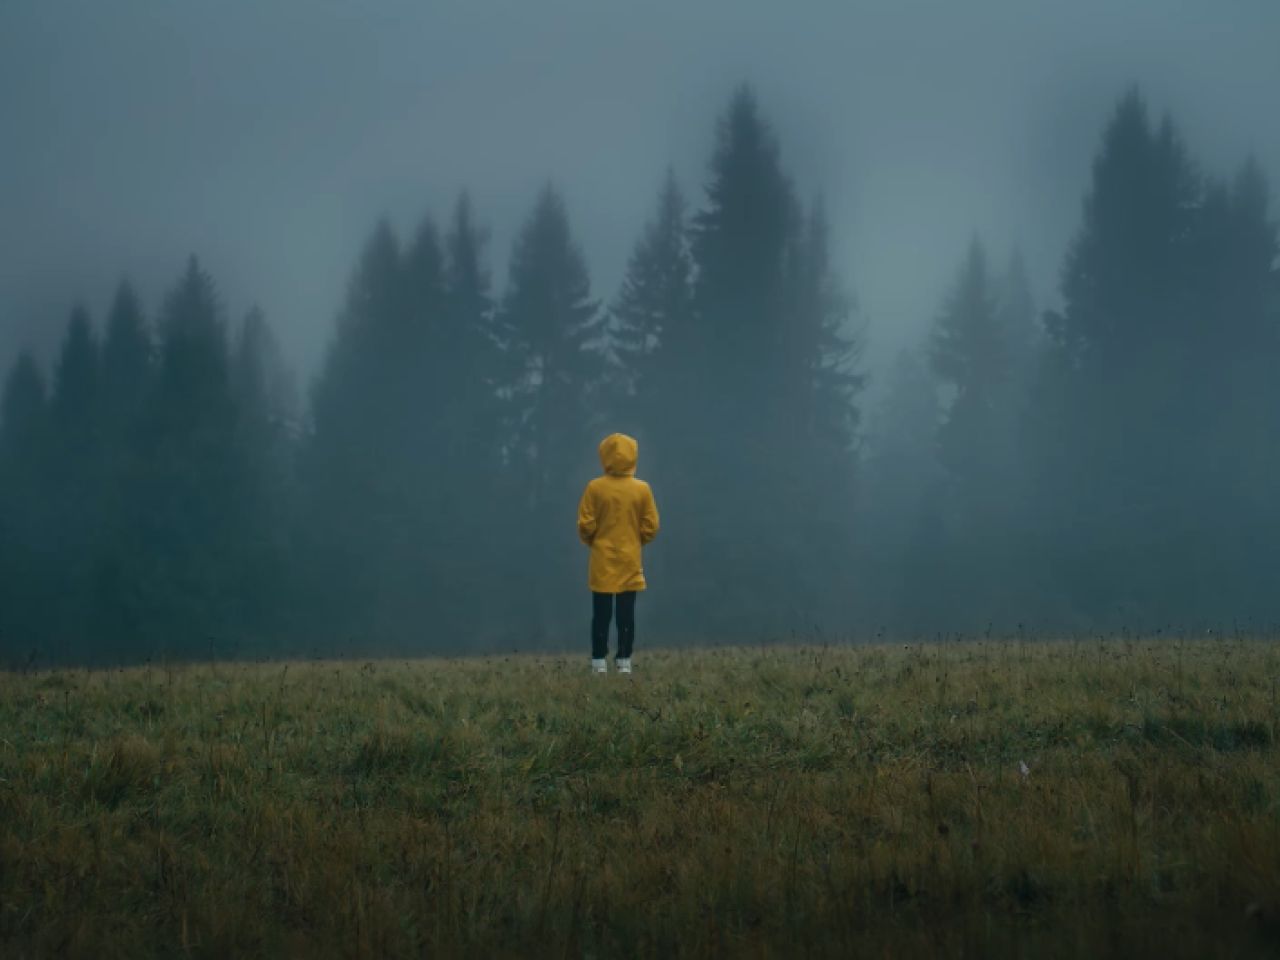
970 799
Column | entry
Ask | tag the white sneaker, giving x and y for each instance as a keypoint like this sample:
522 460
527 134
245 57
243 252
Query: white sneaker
599 666
623 664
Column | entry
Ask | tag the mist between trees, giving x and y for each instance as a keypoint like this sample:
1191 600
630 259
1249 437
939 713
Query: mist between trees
165 488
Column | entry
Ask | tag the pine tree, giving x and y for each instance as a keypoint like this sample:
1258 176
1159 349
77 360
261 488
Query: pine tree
262 388
763 377
26 563
901 532
24 426
127 366
1026 341
970 353
555 328
420 404
75 394
118 600
419 407
424 562
740 246
471 431
75 477
821 316
976 350
408 440
351 393
1120 399
474 367
262 383
194 481
825 420
1023 335
353 485
194 359
736 379
653 312
1238 468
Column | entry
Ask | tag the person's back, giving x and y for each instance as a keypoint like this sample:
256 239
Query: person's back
617 517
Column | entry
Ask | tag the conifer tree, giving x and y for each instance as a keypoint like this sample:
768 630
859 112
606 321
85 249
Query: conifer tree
24 418
27 566
75 392
472 429
555 329
651 323
764 380
423 560
195 479
1017 309
75 477
734 379
350 465
262 387
352 391
1121 397
901 532
975 351
1238 467
118 600
474 368
262 383
415 373
824 417
970 353
127 366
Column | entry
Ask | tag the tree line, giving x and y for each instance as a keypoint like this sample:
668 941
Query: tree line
1113 463
164 488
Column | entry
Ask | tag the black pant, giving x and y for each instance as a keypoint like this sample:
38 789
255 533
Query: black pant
602 614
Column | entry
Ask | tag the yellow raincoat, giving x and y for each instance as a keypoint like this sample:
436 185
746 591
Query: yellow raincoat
617 516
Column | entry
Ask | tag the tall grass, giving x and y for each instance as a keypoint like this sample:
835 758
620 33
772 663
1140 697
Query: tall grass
978 798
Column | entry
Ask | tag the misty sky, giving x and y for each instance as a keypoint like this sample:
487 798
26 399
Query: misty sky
267 137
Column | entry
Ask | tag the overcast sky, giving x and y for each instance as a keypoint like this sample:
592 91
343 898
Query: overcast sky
268 137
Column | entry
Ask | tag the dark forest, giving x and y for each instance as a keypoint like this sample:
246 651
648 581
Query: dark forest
168 488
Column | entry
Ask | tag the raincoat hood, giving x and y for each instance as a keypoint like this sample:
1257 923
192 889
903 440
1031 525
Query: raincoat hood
618 455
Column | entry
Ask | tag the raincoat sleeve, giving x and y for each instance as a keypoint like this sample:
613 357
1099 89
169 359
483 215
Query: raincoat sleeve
648 518
587 517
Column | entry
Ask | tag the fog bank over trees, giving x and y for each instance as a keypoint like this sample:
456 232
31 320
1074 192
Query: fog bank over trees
1100 454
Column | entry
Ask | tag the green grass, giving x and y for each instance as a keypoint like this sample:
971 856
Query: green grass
767 802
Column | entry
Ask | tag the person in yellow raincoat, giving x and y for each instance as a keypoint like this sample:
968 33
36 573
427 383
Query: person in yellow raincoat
616 518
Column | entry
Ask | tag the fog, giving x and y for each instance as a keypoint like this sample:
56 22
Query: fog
268 137
268 140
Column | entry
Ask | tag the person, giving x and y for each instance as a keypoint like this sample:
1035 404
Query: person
617 517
